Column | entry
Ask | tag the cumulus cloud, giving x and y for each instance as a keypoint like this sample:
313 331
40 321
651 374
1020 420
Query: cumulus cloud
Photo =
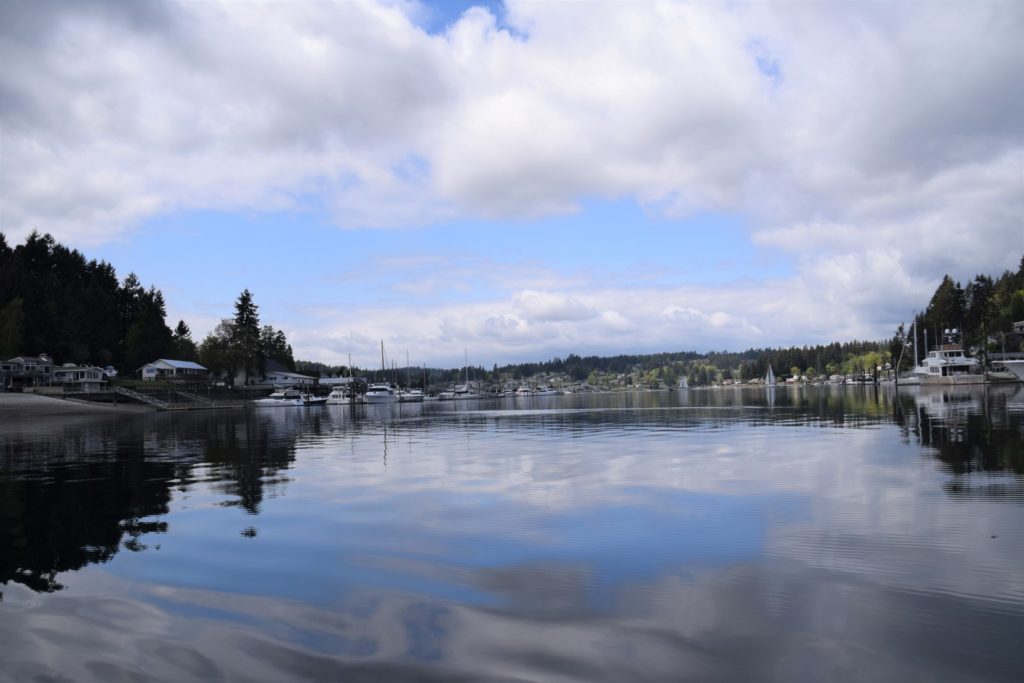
881 144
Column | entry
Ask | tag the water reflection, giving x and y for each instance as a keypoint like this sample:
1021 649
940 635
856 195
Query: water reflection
738 534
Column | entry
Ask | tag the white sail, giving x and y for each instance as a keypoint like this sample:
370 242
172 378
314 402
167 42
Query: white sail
769 379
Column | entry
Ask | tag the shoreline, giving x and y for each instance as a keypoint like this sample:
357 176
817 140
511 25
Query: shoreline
15 406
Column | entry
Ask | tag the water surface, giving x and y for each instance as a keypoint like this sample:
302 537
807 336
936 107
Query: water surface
840 534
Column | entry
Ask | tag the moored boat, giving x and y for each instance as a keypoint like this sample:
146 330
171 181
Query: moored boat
948 364
380 393
338 395
283 398
1006 369
410 396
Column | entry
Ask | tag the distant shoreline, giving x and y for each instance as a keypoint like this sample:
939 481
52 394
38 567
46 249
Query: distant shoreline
14 406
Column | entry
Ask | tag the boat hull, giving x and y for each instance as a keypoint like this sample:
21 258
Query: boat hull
381 398
278 402
951 380
1016 367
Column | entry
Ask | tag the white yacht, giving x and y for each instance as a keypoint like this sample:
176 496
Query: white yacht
947 364
380 393
283 398
461 392
339 395
410 396
1008 368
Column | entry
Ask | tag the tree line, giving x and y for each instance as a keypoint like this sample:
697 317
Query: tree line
982 311
55 301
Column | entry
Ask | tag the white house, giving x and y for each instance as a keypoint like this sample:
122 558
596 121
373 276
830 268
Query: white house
164 368
336 381
79 378
290 379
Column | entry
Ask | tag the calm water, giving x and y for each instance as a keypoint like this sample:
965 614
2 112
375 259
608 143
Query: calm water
798 535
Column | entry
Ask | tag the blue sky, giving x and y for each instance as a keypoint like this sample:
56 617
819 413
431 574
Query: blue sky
522 180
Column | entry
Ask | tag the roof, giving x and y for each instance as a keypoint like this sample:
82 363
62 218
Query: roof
289 373
178 364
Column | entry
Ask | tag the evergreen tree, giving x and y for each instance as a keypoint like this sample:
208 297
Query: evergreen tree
12 323
274 345
245 337
181 343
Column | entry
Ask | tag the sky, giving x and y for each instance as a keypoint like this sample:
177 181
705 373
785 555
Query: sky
515 181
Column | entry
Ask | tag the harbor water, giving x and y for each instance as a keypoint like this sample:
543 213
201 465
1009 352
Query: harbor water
789 534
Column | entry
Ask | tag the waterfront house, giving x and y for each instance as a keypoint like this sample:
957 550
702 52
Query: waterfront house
274 374
27 371
78 378
164 368
279 375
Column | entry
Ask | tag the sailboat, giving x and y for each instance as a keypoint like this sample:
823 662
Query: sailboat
461 391
381 392
769 379
409 395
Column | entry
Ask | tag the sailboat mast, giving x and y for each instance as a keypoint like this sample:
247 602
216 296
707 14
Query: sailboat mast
913 327
383 368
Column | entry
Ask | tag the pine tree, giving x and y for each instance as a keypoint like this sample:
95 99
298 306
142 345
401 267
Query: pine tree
245 337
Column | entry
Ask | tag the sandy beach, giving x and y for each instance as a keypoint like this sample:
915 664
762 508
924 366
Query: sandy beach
17 407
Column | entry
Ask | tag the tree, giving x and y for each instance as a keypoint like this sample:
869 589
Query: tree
274 345
215 352
245 337
148 336
946 309
898 346
12 323
181 342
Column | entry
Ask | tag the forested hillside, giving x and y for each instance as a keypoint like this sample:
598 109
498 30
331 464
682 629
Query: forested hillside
55 301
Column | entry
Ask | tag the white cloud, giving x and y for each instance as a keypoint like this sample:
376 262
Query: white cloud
881 143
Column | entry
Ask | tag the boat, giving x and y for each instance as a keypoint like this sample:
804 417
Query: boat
283 398
410 396
1006 370
948 364
338 395
769 378
280 398
461 391
380 393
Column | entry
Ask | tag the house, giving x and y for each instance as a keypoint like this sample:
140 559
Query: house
27 371
1018 327
76 378
337 381
287 378
164 368
274 373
